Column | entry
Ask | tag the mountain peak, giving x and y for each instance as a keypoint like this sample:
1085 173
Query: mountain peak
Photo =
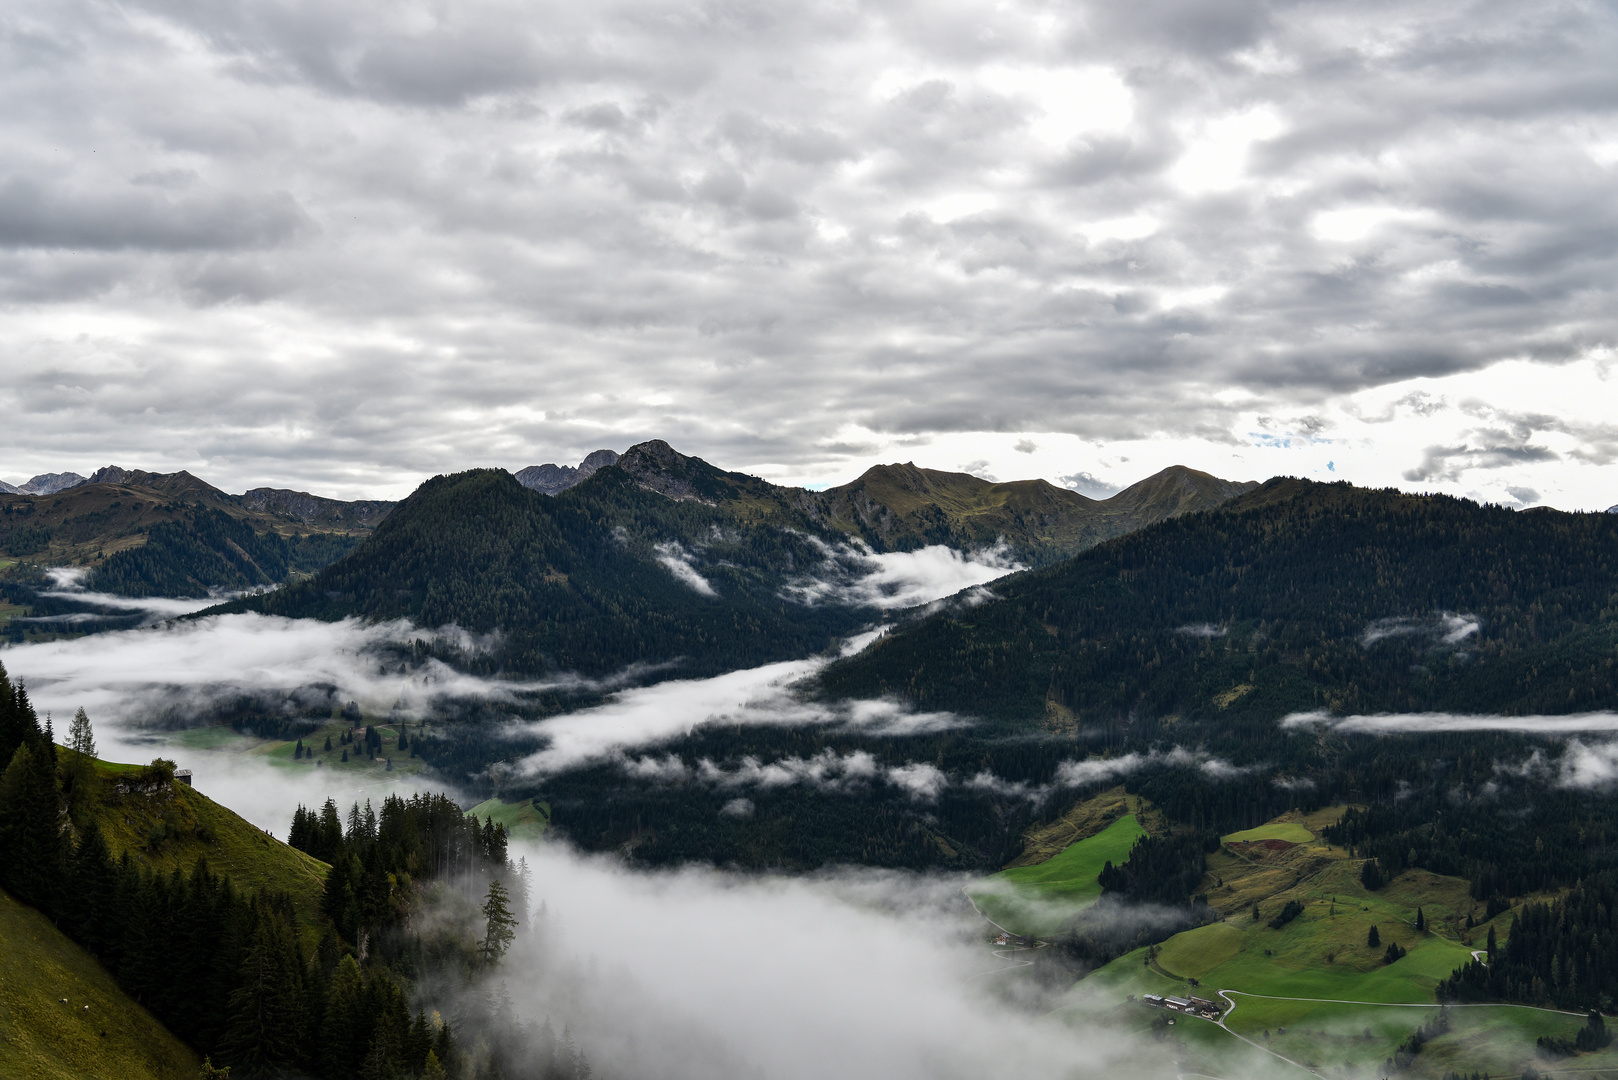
657 466
51 483
551 479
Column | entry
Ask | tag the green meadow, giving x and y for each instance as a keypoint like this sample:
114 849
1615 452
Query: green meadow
526 820
1036 900
1313 991
1290 831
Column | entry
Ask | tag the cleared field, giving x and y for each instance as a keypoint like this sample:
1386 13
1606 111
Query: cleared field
1290 831
1355 1010
42 1038
278 752
526 820
1037 899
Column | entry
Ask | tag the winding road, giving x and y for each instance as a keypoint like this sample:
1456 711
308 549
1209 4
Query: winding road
1004 954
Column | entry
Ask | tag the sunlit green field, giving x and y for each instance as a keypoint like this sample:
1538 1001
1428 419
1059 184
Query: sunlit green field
1355 1010
1037 899
526 820
1289 831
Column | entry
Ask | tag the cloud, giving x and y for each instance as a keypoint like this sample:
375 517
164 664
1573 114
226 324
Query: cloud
178 673
854 574
1420 723
1589 767
763 696
888 962
1448 628
69 585
678 561
501 233
1451 462
738 808
1093 770
1089 484
832 772
828 772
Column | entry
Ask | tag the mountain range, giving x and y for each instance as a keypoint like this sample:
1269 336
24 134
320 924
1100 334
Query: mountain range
660 558
142 533
902 507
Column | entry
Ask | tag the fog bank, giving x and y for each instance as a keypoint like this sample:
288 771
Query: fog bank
1416 723
858 974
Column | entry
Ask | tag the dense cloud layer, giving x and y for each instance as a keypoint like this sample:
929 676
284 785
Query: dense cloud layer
345 247
175 673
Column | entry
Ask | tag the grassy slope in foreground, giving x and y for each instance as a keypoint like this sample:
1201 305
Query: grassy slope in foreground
43 1039
170 828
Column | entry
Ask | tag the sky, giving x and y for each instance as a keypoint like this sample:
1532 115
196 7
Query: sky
344 247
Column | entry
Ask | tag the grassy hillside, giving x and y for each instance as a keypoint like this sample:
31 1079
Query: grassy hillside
82 525
526 820
1313 990
1037 900
99 1034
169 828
1055 875
903 507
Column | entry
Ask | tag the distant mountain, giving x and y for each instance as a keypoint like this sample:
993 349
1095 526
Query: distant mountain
554 479
903 507
1612 509
1292 597
605 575
51 483
316 510
660 557
173 534
292 505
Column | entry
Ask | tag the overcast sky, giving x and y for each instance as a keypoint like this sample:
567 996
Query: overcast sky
342 246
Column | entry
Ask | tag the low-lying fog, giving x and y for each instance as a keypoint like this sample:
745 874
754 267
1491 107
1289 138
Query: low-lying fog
707 974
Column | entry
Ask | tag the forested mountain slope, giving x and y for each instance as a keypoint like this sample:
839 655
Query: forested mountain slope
602 576
1294 596
171 534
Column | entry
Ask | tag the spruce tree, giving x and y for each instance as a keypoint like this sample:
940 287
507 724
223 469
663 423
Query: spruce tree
499 924
80 738
1373 939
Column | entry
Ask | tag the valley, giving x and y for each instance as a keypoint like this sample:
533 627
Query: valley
1266 745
